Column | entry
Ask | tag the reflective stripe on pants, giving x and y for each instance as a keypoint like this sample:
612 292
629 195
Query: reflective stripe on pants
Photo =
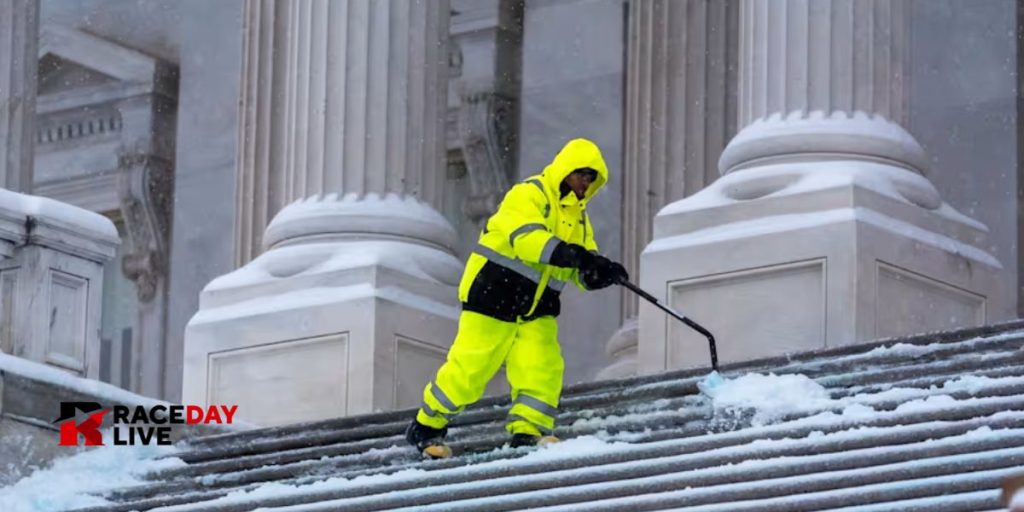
533 366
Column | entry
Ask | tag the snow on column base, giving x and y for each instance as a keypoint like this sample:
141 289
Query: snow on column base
806 255
818 135
350 311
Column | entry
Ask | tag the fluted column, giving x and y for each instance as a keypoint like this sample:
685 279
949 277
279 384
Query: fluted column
680 110
823 78
19 40
347 278
261 126
340 97
365 109
823 229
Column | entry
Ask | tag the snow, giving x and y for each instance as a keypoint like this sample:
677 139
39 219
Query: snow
52 375
907 350
610 472
374 205
773 398
321 296
1017 502
731 396
370 214
319 274
903 349
60 213
322 258
793 179
77 481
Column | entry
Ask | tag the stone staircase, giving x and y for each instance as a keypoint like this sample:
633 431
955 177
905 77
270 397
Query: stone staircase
675 451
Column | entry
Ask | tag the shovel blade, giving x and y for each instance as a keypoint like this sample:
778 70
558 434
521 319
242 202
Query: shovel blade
709 384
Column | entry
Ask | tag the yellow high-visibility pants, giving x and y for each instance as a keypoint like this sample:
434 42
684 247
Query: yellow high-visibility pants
533 366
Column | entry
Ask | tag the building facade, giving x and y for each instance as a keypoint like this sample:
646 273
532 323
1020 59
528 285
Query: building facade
793 174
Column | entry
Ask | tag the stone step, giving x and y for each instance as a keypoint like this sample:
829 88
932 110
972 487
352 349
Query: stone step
661 489
664 415
496 437
671 382
975 416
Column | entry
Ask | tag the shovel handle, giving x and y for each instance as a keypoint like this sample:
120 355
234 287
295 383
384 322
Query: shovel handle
690 323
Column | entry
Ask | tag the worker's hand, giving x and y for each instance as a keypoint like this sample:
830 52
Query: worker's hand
618 273
572 256
604 273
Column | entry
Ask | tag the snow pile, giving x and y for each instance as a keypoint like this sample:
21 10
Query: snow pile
768 399
771 397
79 480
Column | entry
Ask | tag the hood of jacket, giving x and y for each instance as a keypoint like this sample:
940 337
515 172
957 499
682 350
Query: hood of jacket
576 154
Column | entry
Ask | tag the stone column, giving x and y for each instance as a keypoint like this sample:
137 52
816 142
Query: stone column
680 112
823 229
354 293
19 39
256 202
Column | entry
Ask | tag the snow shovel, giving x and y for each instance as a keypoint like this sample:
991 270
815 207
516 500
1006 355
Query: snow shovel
708 384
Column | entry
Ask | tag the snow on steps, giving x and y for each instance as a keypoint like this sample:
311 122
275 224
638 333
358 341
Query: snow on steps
680 452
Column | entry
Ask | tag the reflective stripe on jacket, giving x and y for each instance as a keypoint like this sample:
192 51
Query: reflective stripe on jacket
507 275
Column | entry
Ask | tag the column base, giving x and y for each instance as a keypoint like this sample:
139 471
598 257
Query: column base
622 349
802 256
328 324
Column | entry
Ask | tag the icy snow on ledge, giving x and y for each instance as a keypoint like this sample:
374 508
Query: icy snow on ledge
78 480
58 212
57 377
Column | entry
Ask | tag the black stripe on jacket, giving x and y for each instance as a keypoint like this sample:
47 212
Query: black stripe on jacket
502 293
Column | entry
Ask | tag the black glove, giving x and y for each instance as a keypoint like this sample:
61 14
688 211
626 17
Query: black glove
603 274
572 256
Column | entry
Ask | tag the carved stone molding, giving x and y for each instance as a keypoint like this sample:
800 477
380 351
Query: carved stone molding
489 146
145 185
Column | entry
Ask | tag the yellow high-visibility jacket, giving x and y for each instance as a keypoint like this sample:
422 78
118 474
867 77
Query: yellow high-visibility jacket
508 276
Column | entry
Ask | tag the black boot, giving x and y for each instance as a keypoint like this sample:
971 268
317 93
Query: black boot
531 440
429 441
523 440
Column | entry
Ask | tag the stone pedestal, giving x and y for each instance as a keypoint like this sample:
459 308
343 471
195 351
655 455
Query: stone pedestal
51 281
823 230
329 323
680 113
622 350
352 304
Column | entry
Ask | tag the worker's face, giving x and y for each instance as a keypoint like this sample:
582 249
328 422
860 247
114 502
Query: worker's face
579 181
